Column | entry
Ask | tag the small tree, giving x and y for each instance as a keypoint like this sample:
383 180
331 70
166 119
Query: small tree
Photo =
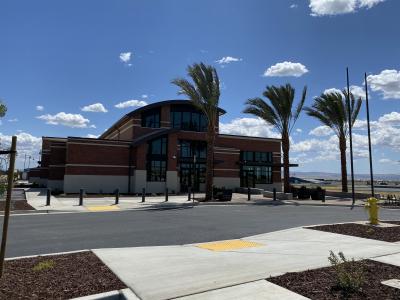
280 114
204 93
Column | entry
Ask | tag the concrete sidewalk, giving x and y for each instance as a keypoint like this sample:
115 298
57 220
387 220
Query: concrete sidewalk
233 269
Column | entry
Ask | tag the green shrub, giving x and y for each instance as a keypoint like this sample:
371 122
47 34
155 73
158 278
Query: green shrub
349 275
3 188
44 265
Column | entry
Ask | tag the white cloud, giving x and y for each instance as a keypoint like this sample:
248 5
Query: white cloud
387 82
286 68
131 103
356 90
96 107
299 130
39 108
144 96
13 120
392 118
125 57
26 144
227 60
92 136
249 127
321 131
337 7
389 161
332 90
66 119
293 5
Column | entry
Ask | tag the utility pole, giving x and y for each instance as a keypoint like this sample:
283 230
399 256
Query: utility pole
349 107
24 161
369 138
11 167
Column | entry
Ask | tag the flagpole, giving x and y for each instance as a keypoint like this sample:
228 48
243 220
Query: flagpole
350 136
369 138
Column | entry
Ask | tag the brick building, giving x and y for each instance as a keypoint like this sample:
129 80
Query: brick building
158 146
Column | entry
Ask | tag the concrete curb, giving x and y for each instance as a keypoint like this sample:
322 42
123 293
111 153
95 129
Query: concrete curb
125 294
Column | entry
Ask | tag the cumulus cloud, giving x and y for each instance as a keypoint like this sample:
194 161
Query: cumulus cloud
26 144
321 131
293 5
131 103
249 127
66 119
392 118
92 136
39 108
286 68
125 57
387 82
227 60
337 7
96 107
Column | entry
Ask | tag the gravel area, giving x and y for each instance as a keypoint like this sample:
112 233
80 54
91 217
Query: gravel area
57 277
387 234
16 205
320 284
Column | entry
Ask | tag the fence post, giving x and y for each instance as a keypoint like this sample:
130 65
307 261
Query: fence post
248 194
274 190
81 197
116 196
48 196
189 192
143 194
166 194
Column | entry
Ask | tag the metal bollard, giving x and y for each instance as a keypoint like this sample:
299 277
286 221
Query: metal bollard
166 194
189 192
81 191
248 194
274 190
116 196
48 196
143 194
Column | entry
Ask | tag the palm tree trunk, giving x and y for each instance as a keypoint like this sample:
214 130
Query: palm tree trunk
342 148
210 163
285 150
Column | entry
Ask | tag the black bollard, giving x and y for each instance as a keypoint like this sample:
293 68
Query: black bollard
143 194
189 192
274 190
116 196
166 194
248 194
48 196
81 197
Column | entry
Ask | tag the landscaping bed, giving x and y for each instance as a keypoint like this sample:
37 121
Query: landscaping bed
63 276
320 284
387 234
16 205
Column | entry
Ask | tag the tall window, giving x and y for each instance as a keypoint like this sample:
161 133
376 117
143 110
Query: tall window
157 160
188 118
256 168
151 118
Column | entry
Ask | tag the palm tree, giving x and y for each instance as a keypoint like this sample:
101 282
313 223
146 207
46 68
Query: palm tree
3 109
331 109
279 114
204 93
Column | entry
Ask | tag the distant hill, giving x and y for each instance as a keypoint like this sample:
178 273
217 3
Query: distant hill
327 175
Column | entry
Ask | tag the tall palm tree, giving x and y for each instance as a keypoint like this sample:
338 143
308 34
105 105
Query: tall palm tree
204 93
280 114
331 109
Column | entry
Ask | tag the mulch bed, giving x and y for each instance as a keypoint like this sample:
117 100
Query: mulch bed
319 284
16 205
57 277
387 234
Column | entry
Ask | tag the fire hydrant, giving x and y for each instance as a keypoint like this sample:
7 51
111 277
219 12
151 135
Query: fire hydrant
372 207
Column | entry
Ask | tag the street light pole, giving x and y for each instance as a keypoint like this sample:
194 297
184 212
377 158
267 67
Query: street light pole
369 138
350 137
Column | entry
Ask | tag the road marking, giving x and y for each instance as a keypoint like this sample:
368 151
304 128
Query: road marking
228 245
102 208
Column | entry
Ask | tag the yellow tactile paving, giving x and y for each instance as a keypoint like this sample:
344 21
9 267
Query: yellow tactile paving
102 208
228 245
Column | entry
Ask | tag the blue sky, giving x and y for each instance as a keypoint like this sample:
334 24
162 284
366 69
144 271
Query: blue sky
65 55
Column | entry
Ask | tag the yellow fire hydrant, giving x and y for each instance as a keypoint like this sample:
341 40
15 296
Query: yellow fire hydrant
372 207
